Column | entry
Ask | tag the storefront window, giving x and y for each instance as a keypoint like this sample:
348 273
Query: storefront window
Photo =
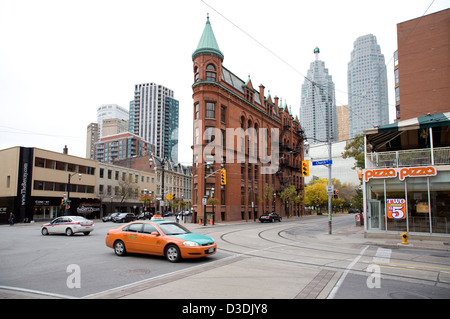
418 206
45 212
440 202
409 205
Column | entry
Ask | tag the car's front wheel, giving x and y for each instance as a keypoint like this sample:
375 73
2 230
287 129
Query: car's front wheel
69 231
119 248
173 253
44 231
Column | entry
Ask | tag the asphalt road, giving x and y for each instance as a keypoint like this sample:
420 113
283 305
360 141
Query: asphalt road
294 259
30 261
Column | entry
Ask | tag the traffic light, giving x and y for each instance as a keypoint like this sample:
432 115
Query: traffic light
223 177
170 196
336 194
305 168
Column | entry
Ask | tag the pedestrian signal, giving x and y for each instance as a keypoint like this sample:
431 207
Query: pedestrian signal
223 177
305 168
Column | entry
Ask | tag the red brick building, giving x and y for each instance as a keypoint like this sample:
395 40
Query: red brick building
243 124
422 71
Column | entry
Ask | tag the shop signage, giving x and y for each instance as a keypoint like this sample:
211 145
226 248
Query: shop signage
396 208
402 173
42 203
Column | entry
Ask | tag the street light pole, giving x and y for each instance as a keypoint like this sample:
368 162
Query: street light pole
163 163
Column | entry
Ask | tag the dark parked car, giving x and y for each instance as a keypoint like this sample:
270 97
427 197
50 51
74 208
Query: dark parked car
353 211
269 217
124 218
145 215
110 217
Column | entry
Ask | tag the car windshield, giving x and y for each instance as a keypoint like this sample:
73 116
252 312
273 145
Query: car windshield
173 229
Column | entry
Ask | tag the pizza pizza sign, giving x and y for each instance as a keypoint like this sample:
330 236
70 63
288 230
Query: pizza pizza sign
396 208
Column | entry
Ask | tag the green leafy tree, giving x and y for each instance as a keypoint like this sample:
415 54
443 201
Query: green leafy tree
355 149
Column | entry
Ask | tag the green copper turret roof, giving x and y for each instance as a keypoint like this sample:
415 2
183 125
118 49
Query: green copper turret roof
207 43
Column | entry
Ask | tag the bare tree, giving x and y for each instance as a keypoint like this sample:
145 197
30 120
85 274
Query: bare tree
127 189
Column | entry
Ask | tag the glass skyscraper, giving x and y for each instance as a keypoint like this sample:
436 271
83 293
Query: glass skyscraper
367 86
318 116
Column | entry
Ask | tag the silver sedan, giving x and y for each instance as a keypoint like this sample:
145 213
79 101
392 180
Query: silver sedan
68 225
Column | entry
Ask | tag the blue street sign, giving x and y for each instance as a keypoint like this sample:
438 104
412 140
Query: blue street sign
326 162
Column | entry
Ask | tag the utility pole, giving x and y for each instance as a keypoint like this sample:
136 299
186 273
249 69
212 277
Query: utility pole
330 136
329 185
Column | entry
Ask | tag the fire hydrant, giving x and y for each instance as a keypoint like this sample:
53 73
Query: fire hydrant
405 238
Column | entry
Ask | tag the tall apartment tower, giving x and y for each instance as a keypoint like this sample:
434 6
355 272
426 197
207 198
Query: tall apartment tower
318 116
154 117
367 86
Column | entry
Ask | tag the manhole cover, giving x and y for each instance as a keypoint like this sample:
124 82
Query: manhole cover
135 272
406 295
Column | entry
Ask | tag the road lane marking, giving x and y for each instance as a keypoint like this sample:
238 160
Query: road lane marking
347 270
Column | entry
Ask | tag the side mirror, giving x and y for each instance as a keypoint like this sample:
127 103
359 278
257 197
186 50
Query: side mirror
154 233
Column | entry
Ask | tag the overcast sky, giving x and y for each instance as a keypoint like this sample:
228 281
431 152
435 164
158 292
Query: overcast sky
61 59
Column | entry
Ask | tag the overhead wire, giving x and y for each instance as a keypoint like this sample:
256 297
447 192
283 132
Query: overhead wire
305 77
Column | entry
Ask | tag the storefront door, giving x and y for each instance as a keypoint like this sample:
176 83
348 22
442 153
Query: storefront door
374 221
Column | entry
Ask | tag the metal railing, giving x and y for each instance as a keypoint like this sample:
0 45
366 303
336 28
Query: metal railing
409 158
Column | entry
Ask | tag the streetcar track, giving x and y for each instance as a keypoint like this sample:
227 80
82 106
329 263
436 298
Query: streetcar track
350 254
254 249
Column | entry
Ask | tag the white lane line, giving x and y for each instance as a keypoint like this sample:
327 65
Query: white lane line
347 270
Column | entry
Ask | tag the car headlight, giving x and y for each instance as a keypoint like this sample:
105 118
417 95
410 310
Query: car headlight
190 244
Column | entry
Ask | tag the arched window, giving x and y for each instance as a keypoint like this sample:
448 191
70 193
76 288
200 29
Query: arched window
242 122
210 72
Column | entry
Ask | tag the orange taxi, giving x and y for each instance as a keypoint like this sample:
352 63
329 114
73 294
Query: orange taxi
159 237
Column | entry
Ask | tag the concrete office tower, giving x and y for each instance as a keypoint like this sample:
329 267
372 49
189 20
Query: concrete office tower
110 111
154 117
318 116
91 139
367 86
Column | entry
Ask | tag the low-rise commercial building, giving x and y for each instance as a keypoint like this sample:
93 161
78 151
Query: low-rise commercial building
39 184
406 179
36 181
